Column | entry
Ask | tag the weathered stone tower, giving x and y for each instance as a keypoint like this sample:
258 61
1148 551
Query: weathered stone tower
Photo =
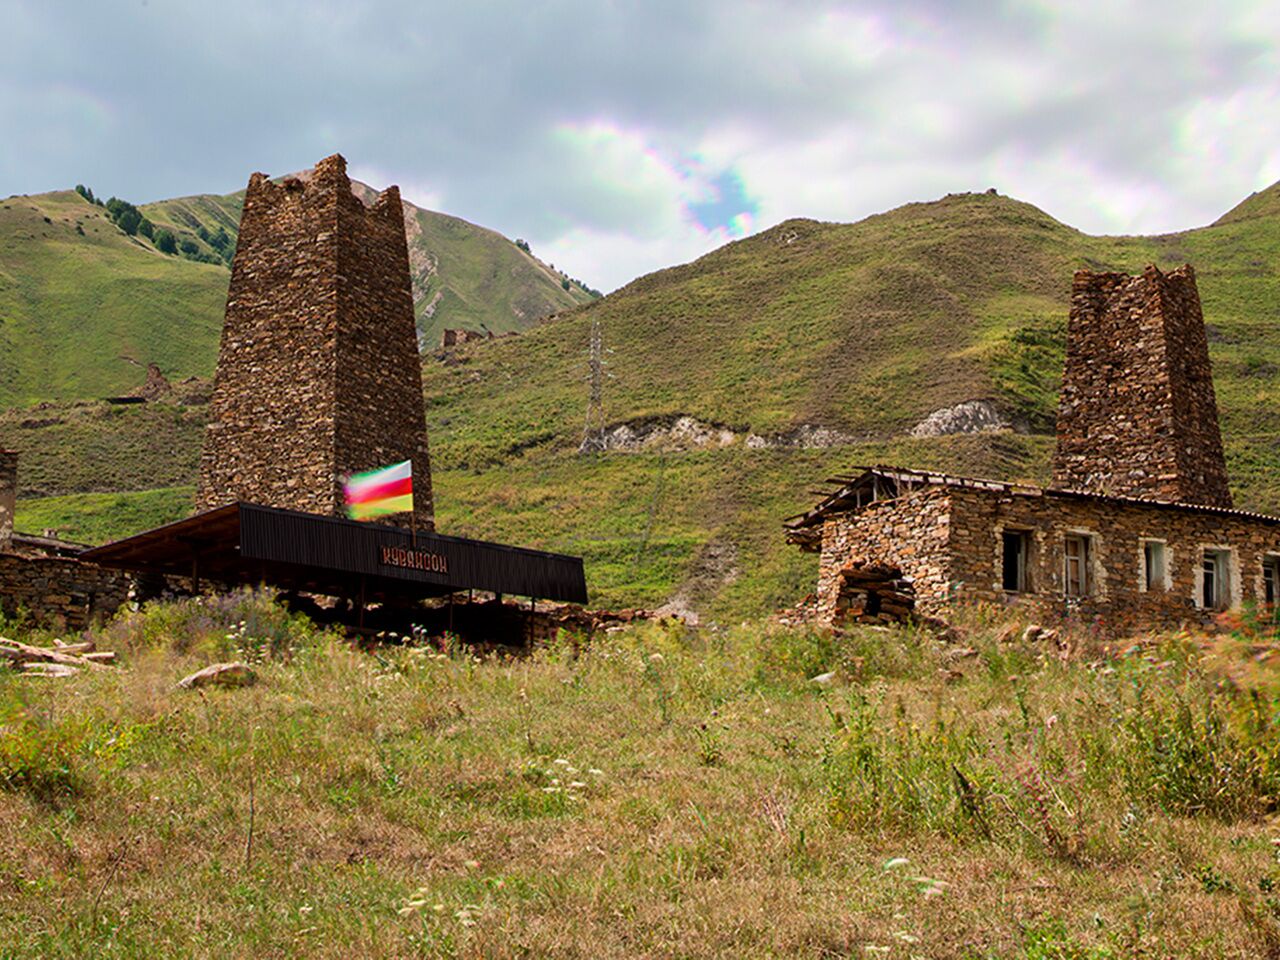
318 374
1138 416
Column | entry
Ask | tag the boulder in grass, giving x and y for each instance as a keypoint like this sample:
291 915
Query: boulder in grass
221 675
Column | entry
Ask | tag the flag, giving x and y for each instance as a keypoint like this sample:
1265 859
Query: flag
380 492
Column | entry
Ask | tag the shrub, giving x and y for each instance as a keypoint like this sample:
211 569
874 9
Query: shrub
246 624
124 215
1192 750
37 757
165 241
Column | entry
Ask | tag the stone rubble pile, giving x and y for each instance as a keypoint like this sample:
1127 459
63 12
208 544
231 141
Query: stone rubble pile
872 593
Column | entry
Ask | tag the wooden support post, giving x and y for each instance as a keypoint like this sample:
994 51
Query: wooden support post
360 615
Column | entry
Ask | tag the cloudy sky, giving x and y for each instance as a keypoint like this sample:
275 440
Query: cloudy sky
619 138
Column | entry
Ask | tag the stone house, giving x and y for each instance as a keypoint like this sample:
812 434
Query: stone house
1137 529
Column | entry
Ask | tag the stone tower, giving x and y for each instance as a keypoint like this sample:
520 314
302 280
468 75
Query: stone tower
318 373
1138 416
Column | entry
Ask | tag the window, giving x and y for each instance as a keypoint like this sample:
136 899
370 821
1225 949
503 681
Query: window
1015 548
1270 583
1154 569
1075 574
1215 593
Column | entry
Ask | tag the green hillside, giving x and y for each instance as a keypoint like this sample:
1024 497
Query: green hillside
858 328
84 307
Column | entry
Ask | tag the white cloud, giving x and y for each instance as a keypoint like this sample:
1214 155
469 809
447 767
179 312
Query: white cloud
589 129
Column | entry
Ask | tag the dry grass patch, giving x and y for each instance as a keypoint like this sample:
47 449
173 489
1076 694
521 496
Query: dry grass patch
664 792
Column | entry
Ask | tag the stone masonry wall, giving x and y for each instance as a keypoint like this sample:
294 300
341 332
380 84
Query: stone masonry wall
60 592
1118 602
1138 416
318 372
911 533
8 495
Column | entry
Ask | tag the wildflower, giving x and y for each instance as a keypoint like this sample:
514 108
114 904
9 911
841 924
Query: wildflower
561 762
596 772
577 785
895 863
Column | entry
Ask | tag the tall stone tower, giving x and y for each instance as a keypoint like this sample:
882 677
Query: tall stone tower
318 374
1138 416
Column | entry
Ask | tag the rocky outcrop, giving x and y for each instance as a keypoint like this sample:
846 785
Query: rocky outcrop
668 433
972 416
807 436
685 432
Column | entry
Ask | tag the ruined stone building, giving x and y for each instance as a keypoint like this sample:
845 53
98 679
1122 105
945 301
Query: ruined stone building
1137 528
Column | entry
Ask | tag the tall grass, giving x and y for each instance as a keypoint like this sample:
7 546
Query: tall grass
659 791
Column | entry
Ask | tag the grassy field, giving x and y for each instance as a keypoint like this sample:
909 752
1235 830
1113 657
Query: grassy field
101 517
661 792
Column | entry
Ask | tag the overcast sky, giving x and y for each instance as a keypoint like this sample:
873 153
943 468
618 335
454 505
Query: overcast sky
618 138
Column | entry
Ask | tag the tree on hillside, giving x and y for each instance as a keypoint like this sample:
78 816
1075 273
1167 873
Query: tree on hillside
124 215
146 228
85 192
165 241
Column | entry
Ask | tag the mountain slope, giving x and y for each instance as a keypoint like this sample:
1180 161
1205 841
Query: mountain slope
857 329
83 306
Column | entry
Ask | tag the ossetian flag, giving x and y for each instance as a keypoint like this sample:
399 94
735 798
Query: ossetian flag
380 492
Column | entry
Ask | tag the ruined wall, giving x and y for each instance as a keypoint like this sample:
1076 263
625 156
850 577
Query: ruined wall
1137 415
912 533
60 592
8 495
1118 602
318 372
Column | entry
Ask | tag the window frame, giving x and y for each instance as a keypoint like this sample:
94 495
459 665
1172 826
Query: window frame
1223 588
1083 579
1023 577
1270 564
1162 583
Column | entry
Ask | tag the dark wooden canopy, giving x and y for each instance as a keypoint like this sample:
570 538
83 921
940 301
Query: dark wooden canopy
246 543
